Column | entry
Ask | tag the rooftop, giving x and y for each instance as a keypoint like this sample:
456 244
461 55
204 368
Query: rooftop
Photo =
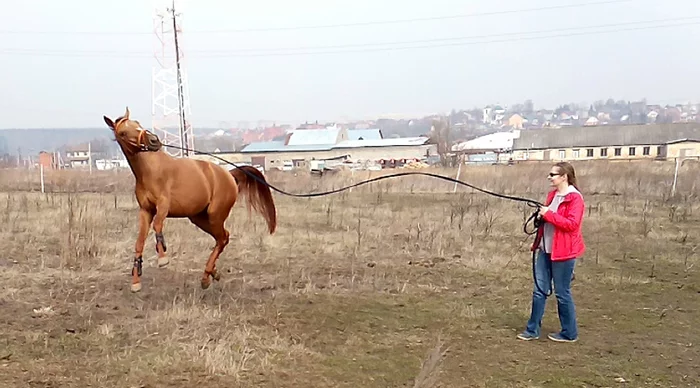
493 141
314 136
613 135
390 142
279 146
365 134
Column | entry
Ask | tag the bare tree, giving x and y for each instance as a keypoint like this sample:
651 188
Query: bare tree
440 135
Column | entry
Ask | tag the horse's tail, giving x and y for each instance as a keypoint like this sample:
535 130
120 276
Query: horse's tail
257 193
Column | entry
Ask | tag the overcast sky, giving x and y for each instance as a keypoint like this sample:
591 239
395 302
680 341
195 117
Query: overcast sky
66 63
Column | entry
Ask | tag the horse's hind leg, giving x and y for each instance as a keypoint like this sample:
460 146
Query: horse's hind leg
215 229
158 221
222 238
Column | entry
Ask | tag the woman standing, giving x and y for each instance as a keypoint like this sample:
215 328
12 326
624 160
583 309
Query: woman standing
560 243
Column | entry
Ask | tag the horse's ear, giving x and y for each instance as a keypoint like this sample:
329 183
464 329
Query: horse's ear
126 114
109 122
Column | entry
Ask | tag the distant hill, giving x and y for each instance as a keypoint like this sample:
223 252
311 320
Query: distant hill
32 141
29 142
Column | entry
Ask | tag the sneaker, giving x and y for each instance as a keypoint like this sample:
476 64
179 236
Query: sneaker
556 337
525 336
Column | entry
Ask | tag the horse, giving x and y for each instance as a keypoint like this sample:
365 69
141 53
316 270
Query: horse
169 187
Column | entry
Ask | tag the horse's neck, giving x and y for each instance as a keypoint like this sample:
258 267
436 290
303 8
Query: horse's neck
142 164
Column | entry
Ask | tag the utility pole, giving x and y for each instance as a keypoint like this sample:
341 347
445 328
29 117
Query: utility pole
679 162
180 94
170 95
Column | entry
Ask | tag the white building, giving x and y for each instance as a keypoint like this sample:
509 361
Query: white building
495 142
111 164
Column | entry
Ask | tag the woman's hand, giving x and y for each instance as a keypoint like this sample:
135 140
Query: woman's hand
543 210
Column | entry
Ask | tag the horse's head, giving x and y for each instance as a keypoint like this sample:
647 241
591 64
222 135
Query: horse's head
131 136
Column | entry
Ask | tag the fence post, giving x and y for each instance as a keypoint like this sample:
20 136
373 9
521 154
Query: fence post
41 174
459 171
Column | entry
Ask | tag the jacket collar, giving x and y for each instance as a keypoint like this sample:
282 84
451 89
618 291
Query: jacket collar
567 196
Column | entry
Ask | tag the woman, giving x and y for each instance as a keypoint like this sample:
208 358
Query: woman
560 243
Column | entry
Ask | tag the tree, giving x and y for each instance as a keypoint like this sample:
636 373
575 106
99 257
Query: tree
440 135
642 118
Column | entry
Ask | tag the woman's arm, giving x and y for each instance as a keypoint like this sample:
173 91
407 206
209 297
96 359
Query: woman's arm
573 220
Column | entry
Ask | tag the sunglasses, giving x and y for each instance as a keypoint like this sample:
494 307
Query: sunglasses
552 175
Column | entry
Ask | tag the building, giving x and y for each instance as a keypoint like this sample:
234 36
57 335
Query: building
47 160
79 156
336 145
111 164
618 142
488 149
266 134
516 121
495 142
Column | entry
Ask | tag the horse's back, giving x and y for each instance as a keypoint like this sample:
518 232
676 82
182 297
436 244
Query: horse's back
224 190
218 176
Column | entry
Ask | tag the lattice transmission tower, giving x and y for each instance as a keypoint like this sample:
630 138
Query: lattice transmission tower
170 92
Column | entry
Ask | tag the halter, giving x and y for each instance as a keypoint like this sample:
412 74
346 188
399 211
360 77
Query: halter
139 140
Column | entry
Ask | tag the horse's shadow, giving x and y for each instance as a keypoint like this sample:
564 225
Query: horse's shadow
166 286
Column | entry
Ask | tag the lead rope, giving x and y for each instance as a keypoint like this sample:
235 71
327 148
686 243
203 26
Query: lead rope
540 225
534 219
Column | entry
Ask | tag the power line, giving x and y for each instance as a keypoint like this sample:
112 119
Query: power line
340 25
437 40
224 54
424 19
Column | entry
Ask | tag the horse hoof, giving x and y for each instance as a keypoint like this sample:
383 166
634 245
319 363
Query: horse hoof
216 276
206 283
135 287
163 261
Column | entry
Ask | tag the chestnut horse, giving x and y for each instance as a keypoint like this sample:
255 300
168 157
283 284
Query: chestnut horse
168 187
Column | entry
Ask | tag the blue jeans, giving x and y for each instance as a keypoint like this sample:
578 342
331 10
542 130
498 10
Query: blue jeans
559 271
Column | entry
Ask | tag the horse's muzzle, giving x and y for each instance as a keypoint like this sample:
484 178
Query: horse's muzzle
153 143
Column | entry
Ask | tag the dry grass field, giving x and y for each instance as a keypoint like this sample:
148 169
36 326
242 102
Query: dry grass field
398 284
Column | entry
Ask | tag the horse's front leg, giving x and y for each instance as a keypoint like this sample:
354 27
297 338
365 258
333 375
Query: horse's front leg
161 213
145 218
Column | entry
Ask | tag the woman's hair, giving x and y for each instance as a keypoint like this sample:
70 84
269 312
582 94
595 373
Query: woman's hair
567 169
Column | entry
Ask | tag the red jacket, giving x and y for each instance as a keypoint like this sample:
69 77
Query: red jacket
567 241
